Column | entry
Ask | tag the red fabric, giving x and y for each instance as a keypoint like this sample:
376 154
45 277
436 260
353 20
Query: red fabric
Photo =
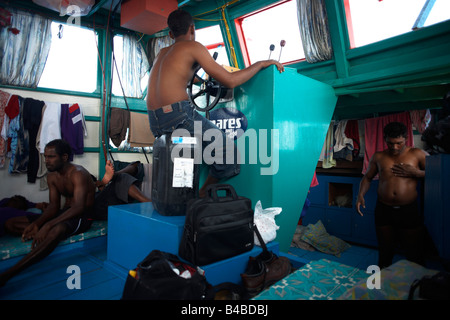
352 132
374 140
74 107
12 109
314 181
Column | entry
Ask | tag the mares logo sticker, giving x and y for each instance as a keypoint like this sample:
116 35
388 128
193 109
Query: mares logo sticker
230 120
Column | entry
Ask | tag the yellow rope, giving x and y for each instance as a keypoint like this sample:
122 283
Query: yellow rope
227 28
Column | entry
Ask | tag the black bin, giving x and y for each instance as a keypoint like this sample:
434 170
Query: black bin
175 173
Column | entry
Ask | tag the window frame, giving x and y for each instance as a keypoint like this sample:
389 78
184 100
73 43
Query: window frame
350 33
83 93
241 34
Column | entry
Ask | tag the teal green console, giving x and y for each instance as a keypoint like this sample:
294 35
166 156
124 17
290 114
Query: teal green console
288 116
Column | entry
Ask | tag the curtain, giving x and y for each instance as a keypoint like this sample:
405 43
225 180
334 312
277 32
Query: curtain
23 55
313 24
134 66
155 45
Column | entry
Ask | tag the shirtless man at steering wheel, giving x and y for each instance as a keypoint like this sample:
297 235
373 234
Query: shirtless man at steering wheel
168 103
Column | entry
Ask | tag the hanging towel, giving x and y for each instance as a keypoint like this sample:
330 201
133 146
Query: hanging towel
50 125
118 125
374 139
328 160
140 134
342 141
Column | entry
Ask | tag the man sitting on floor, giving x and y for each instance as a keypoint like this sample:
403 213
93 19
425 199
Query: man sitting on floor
81 207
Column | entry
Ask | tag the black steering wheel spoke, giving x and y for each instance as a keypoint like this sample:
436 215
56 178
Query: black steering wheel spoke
207 88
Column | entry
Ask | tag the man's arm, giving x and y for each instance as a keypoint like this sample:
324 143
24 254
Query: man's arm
79 200
77 206
49 212
364 185
409 171
226 78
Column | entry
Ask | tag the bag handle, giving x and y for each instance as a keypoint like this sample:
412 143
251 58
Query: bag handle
212 190
261 241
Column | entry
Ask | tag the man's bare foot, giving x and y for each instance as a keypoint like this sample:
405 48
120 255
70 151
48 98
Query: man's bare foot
109 172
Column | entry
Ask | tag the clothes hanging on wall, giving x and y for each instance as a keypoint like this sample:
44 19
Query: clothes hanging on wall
343 146
4 98
327 150
374 139
22 147
140 134
118 125
50 125
420 119
73 128
352 132
32 114
27 125
360 139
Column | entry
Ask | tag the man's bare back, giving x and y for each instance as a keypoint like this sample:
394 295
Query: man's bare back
170 74
173 68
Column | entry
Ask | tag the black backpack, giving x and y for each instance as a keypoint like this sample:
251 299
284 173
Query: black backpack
435 287
159 277
163 276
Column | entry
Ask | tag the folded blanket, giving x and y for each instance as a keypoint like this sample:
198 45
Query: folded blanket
317 236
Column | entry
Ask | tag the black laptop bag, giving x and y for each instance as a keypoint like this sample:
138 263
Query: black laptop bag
217 227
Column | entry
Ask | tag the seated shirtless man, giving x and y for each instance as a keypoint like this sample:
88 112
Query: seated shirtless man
396 212
81 206
168 102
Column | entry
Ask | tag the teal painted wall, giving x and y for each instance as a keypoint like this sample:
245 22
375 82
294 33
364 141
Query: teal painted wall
298 110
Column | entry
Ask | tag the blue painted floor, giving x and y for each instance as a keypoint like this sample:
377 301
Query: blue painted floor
47 280
100 280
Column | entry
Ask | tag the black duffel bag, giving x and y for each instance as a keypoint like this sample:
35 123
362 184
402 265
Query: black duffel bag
163 276
435 287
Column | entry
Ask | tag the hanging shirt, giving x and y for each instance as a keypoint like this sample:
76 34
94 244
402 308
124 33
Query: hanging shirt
32 115
50 125
72 127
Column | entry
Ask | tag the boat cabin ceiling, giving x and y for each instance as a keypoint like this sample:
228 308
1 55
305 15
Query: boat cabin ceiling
407 71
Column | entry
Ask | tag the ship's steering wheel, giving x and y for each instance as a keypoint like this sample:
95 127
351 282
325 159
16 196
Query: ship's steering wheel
208 89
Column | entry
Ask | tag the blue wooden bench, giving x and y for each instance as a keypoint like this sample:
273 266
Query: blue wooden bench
11 247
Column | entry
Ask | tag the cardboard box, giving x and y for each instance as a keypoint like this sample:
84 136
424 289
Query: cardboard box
146 16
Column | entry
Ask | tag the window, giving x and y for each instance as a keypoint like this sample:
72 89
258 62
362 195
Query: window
260 30
72 60
211 38
370 21
137 73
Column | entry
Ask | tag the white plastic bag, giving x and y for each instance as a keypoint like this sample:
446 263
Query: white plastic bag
265 222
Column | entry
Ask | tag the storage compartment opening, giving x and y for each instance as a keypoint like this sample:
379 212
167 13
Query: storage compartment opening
340 195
